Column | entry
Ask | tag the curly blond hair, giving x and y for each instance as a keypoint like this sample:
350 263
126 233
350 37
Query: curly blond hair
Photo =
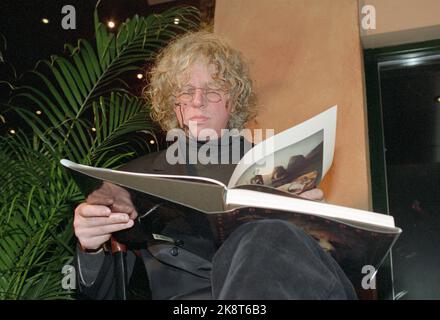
232 75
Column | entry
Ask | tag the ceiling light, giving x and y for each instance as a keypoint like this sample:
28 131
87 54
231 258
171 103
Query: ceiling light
111 24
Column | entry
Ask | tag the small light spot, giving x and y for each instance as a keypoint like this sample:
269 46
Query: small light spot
12 131
94 129
139 75
176 20
38 112
152 141
111 24
45 20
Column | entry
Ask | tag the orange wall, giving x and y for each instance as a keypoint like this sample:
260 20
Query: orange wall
305 56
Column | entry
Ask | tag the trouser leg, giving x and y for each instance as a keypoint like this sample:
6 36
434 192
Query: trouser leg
273 259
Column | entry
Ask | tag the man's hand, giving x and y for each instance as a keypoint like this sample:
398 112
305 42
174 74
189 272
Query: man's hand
313 194
106 210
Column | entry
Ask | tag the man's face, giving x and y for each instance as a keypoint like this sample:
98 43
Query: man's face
201 104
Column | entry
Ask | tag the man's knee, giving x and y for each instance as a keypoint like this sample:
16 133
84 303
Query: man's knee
270 238
296 261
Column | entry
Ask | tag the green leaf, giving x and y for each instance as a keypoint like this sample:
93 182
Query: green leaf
85 89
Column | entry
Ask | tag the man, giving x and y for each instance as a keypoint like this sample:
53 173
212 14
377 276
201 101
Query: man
202 85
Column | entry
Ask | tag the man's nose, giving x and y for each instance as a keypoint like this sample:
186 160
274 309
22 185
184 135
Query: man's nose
198 98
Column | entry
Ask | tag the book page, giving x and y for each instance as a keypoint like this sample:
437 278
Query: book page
245 197
196 192
294 160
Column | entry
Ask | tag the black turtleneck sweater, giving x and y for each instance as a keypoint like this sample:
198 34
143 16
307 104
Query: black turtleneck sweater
221 166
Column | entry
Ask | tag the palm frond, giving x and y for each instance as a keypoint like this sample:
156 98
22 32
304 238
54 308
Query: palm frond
72 86
28 236
75 93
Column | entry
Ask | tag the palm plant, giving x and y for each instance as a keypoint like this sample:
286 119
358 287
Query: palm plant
74 94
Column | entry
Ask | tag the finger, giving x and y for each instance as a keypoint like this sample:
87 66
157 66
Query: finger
132 215
87 210
125 207
122 207
114 218
100 199
314 194
113 228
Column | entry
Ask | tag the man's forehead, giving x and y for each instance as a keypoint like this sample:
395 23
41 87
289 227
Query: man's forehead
205 75
185 81
207 84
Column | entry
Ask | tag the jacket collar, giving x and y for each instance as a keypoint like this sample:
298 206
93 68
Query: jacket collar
160 163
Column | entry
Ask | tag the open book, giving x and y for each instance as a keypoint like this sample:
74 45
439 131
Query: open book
264 185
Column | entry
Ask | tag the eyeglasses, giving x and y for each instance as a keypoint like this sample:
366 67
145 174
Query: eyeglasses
211 95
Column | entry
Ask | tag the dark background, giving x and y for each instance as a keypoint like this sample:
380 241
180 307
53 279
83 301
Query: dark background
29 40
410 93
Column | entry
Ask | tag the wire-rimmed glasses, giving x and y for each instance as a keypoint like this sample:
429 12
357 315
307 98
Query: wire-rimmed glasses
211 95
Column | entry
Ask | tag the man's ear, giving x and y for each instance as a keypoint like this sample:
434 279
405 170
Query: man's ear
229 106
179 115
